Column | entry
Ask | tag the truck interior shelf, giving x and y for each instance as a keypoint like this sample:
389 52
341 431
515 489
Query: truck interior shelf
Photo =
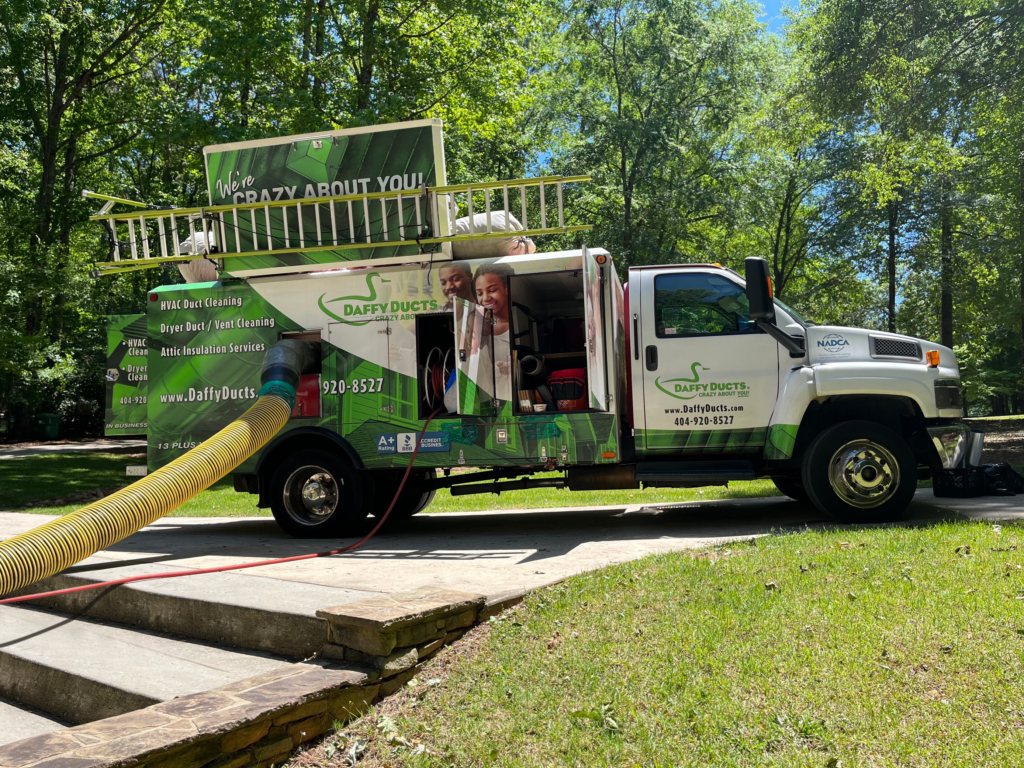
547 324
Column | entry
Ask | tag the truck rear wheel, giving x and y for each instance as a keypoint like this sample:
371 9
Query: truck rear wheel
860 472
414 498
317 494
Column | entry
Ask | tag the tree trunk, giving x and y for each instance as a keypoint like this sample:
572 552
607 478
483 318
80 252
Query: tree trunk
243 98
1020 247
318 51
307 20
307 37
894 213
364 78
946 277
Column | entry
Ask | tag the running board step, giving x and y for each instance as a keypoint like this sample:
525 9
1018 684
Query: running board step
694 472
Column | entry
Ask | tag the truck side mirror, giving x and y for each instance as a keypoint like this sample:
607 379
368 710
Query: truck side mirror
759 290
762 306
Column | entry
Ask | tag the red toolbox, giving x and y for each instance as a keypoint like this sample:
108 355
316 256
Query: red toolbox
569 389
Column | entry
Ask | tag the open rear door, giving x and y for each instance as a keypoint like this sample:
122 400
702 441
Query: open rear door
594 319
475 370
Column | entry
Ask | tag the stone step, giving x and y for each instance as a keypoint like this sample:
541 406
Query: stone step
82 670
18 722
242 609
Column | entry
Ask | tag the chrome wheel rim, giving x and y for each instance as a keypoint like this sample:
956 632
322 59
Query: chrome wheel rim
864 474
311 495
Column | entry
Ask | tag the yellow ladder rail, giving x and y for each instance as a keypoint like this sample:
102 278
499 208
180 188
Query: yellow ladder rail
172 235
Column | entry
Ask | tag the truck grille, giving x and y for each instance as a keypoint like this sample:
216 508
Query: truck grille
883 346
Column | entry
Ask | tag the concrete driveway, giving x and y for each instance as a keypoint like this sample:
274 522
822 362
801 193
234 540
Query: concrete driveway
94 654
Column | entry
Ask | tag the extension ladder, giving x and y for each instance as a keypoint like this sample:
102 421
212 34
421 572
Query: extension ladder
423 217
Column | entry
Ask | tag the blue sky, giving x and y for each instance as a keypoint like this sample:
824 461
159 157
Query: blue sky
772 15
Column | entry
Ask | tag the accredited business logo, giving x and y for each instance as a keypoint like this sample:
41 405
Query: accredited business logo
832 342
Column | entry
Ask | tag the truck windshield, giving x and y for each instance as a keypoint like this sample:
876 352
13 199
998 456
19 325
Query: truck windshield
796 315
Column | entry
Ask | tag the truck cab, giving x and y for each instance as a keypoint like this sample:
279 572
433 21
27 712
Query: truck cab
726 381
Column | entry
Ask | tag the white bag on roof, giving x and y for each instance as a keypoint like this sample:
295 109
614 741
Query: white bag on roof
490 247
196 270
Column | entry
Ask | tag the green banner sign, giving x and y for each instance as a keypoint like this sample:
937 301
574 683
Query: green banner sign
399 158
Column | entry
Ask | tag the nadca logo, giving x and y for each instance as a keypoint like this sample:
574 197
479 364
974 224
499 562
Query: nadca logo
832 342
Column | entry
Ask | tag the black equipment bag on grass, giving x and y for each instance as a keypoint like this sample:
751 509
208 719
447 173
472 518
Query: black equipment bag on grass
986 480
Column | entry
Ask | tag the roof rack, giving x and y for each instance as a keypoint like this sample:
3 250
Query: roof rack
423 217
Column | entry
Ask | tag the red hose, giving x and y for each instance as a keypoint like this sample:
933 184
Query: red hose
221 569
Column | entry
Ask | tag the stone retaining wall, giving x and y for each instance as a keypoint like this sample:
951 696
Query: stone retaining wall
375 647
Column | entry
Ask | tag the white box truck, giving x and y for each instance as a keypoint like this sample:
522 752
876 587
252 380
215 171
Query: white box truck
432 311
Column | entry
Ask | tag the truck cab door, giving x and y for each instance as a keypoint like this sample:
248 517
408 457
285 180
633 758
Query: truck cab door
594 277
475 371
709 375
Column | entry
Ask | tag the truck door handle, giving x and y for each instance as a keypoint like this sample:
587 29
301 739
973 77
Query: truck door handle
636 338
651 353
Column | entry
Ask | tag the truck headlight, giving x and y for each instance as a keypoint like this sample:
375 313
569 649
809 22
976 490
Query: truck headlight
947 394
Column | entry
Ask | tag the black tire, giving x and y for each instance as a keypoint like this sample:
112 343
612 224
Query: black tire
860 472
791 486
344 499
414 497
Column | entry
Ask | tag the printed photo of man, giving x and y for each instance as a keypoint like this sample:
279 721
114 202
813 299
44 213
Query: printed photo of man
456 281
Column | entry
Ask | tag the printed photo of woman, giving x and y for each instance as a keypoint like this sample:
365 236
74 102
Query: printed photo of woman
491 286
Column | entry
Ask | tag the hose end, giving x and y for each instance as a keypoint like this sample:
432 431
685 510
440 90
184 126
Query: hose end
281 389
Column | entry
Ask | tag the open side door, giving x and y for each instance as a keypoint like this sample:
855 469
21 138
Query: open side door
594 323
474 349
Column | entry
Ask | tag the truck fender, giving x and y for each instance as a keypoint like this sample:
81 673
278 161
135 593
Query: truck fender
309 437
877 378
797 392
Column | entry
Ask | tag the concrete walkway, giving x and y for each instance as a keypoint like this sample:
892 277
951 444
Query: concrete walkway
490 553
97 446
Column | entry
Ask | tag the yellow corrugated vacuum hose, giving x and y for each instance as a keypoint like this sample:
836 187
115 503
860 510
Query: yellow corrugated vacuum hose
61 543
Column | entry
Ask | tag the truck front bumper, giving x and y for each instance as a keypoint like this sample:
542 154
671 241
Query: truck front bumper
950 443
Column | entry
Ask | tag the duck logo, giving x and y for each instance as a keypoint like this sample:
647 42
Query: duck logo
832 342
683 388
354 308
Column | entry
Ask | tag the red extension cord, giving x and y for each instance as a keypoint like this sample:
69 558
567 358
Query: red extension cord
197 571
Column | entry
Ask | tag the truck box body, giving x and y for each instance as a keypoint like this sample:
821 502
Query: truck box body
376 326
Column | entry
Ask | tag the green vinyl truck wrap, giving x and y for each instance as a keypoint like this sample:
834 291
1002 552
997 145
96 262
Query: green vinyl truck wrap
443 331
125 401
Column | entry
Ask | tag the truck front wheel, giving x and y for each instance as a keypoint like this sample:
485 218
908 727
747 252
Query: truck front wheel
860 472
317 494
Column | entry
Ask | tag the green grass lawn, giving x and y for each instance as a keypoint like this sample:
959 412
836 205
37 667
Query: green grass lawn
34 478
881 647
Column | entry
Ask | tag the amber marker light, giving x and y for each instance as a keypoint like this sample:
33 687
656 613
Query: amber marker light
932 356
608 455
601 258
